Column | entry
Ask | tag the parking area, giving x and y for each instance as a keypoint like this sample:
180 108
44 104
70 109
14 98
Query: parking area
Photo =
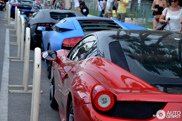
17 106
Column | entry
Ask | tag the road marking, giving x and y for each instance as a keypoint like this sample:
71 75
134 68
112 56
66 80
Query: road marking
5 82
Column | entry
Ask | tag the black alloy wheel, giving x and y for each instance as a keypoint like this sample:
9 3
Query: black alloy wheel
53 102
42 47
49 66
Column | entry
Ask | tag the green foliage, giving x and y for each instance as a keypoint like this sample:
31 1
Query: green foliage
93 12
149 25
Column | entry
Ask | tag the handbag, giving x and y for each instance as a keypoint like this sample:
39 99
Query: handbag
164 24
103 10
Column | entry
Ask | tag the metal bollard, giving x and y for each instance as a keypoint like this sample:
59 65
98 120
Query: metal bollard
9 18
15 17
35 106
27 58
26 67
22 38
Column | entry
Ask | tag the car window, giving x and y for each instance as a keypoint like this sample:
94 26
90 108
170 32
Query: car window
33 14
59 16
26 2
57 28
84 49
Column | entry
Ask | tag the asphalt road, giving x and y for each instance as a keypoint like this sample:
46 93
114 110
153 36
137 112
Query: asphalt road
17 106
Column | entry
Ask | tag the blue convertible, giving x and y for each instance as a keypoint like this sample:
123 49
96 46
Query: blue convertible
70 30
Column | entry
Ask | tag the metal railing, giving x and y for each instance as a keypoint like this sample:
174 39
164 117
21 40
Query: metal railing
141 12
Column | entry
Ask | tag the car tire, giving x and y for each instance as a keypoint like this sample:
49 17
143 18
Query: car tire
32 45
71 112
42 47
53 102
49 66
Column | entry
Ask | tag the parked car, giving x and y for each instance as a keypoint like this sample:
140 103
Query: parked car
69 31
119 75
25 6
43 20
2 4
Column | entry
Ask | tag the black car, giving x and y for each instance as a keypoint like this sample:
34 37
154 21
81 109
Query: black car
25 6
43 20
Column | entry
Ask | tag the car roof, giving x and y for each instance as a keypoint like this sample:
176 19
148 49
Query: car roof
122 24
89 18
165 46
60 11
142 34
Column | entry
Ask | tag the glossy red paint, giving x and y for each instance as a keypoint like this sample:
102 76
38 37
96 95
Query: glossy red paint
99 91
77 79
87 113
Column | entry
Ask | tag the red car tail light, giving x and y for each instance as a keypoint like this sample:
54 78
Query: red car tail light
70 42
45 24
103 99
15 5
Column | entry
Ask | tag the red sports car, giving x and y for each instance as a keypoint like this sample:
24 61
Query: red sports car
119 75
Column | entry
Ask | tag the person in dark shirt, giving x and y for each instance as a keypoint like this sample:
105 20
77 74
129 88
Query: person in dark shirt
157 6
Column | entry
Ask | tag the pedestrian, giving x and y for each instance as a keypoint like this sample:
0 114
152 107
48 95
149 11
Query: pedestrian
108 9
158 6
67 4
56 5
114 10
46 4
100 7
121 11
171 16
77 5
52 3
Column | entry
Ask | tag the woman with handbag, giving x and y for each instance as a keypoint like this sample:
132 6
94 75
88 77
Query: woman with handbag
157 6
100 7
174 13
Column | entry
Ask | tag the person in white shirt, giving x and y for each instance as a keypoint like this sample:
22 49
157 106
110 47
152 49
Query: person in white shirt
67 4
100 7
171 16
77 5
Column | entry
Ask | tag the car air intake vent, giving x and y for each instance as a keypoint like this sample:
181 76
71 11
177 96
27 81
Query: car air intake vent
171 89
59 16
134 109
97 25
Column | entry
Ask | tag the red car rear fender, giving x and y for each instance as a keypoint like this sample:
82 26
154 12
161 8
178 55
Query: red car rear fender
82 86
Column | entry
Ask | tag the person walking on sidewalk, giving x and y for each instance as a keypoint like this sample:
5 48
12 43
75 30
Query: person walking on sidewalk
121 12
77 5
100 7
108 9
158 6
67 4
172 16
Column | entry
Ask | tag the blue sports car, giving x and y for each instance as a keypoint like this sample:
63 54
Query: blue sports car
70 30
